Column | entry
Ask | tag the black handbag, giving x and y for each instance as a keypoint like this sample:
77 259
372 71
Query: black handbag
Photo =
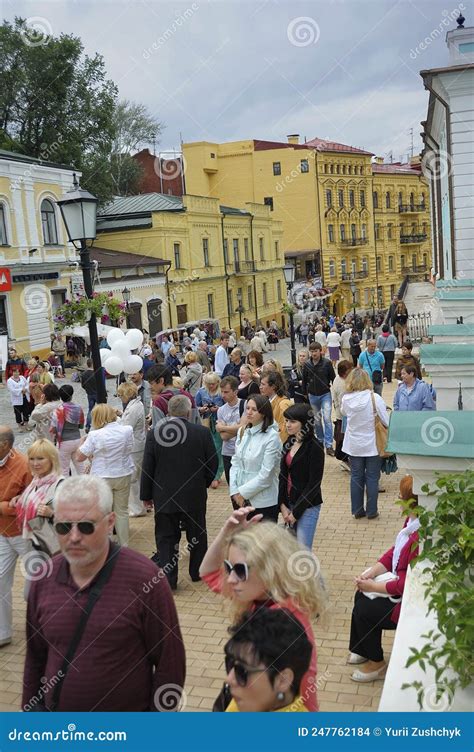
376 374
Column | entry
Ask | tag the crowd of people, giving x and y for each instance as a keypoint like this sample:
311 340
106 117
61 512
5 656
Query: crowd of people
193 419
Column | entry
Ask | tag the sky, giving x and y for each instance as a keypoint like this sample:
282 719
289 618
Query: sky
222 70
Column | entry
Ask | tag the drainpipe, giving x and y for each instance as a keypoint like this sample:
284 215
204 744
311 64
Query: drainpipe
225 272
450 177
321 261
167 283
253 265
375 246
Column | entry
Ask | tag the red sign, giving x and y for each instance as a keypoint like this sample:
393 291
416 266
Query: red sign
5 280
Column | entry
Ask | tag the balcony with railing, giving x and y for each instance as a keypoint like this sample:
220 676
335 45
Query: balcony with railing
420 269
349 276
415 237
244 267
348 242
411 208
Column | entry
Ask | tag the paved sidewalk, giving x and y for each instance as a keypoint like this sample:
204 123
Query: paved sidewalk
344 547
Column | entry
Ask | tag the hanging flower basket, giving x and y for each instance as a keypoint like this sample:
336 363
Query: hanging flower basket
77 312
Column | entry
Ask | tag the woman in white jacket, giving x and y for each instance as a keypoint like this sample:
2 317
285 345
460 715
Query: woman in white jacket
256 463
17 385
358 406
134 415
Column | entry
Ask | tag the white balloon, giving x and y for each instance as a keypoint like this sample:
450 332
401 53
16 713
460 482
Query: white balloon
114 365
132 364
120 349
115 335
134 338
104 354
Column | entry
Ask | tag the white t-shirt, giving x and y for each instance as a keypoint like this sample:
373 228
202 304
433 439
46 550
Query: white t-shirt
110 449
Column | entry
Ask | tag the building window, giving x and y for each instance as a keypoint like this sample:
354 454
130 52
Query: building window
353 232
340 195
325 168
230 301
177 255
413 262
351 199
377 232
329 198
365 265
402 262
332 169
48 220
387 200
277 168
366 296
205 251
154 316
392 292
350 170
264 294
235 244
210 305
246 249
380 297
343 266
337 169
412 200
364 231
362 198
375 197
379 263
423 200
226 251
250 296
332 268
342 230
400 199
424 228
277 249
278 289
331 233
343 169
261 249
390 263
3 226
213 155
268 201
304 165
353 266
58 298
389 232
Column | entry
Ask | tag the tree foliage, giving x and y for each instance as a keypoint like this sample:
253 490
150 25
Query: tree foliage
134 125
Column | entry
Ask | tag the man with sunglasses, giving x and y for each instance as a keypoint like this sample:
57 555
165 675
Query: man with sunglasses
102 628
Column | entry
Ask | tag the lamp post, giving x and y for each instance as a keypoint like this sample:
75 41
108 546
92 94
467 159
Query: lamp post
289 274
240 310
79 212
373 307
126 294
354 292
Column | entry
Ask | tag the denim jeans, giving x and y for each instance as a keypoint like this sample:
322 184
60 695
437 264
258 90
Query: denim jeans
322 415
365 474
91 401
306 526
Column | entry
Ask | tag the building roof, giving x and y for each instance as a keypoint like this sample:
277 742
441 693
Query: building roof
396 167
123 223
431 434
447 69
13 156
320 144
110 259
141 204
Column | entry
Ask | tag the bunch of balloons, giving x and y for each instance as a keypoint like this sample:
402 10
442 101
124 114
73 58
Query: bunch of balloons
120 356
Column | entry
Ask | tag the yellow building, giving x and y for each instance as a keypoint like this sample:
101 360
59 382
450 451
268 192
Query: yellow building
35 255
323 193
221 259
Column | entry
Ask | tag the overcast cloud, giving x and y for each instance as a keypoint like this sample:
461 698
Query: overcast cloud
217 70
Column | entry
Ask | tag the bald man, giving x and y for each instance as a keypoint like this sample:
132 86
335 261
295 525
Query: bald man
15 476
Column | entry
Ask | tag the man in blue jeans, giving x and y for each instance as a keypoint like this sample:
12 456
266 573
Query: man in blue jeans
318 375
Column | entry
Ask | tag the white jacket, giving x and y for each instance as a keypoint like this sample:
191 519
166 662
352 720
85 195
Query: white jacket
134 416
256 466
333 339
359 436
257 344
16 390
42 415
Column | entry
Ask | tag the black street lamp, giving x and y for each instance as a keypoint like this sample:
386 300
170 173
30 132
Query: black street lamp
240 310
289 274
126 295
79 212
373 307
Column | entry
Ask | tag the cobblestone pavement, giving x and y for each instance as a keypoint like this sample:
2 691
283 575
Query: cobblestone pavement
344 546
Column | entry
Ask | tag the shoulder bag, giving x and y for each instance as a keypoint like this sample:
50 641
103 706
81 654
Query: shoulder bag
43 536
94 596
381 432
376 374
385 577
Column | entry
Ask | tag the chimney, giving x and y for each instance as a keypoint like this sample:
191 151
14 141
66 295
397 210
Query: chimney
378 160
293 138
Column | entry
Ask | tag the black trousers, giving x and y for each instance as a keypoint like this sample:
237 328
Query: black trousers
369 618
388 367
227 463
270 514
168 528
22 412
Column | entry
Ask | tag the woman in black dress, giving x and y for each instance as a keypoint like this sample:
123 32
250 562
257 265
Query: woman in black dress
248 382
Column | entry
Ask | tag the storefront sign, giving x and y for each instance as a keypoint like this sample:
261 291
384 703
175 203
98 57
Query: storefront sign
5 280
35 277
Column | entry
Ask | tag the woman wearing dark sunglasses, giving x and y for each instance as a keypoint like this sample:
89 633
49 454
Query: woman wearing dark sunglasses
265 660
257 565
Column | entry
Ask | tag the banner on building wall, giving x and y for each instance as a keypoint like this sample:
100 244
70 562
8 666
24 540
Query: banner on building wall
3 351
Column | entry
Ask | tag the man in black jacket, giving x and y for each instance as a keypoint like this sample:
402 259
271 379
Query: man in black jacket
179 465
318 375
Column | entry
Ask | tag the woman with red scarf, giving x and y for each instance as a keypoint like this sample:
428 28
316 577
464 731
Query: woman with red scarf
66 422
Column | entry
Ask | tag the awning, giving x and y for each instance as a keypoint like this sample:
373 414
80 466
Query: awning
83 331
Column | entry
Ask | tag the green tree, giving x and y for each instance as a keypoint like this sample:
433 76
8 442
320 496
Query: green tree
134 126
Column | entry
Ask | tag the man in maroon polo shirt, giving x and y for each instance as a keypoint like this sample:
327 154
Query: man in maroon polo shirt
130 655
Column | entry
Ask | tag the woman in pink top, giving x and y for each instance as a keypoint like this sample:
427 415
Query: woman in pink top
257 565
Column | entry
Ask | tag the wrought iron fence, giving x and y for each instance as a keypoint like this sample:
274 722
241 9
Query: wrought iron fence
418 325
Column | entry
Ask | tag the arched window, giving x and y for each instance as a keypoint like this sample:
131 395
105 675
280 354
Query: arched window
350 169
387 200
343 169
154 315
48 221
3 225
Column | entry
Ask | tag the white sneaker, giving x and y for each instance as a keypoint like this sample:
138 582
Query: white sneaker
354 659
